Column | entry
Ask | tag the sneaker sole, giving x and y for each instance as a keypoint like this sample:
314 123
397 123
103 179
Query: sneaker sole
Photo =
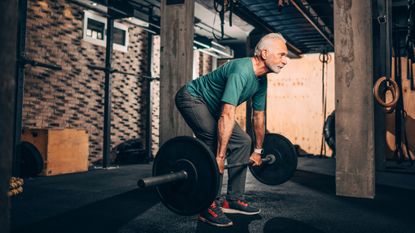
213 223
233 211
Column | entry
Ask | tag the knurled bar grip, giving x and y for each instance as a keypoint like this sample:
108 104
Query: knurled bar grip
267 159
162 179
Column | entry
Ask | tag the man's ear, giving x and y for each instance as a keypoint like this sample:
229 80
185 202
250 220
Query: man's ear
264 54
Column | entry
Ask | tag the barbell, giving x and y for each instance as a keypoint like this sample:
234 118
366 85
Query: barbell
186 174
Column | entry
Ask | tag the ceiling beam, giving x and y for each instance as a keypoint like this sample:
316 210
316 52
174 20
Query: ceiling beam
255 21
311 16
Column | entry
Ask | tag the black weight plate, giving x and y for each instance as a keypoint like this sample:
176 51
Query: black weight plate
284 166
195 194
31 161
329 131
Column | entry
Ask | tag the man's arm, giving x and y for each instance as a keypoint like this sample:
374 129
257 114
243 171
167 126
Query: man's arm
259 128
225 128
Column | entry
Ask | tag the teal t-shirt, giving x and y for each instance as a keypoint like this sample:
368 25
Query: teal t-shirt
233 83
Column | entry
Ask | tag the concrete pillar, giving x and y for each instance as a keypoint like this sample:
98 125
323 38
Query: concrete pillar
8 38
355 167
176 61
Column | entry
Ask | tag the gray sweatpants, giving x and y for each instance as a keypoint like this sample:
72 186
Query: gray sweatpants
204 126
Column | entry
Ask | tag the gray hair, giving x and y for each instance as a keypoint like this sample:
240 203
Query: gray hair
264 42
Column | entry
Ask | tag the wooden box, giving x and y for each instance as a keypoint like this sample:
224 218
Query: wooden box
63 150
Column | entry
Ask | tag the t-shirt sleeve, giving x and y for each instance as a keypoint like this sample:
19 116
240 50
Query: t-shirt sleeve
233 89
259 98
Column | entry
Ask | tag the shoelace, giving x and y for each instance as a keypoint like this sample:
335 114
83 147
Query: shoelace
214 210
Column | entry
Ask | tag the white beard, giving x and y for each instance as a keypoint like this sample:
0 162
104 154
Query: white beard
273 68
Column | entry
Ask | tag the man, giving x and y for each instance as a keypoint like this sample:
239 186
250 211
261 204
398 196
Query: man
208 106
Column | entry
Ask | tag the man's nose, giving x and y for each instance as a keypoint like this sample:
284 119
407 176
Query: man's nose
284 60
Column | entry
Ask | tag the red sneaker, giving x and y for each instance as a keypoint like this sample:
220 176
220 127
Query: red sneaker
239 207
215 216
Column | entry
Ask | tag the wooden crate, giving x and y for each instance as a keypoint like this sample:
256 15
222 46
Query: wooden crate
63 150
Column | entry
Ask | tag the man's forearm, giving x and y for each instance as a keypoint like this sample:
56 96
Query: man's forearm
225 128
259 128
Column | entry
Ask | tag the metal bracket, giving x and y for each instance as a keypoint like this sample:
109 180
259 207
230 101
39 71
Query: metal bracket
23 61
382 19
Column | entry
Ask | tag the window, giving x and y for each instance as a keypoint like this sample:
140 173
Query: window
119 36
95 27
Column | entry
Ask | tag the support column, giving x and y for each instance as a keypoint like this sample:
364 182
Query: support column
108 94
176 55
20 79
8 38
149 106
355 167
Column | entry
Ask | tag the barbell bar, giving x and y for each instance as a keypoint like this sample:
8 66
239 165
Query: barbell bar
186 175
182 175
163 179
269 159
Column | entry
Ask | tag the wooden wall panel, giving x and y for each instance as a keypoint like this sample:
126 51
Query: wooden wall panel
294 102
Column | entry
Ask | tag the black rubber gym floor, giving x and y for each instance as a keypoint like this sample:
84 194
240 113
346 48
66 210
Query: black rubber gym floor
108 201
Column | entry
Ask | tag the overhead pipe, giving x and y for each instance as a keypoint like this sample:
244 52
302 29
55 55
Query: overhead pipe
311 21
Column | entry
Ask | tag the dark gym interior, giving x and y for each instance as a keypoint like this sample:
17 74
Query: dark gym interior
92 140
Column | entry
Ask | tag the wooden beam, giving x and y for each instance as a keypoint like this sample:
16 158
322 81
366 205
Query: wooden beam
355 167
176 62
8 38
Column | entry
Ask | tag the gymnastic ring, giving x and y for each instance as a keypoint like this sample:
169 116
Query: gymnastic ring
393 88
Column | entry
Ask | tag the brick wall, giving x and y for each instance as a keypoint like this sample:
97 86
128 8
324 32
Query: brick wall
205 63
155 94
73 97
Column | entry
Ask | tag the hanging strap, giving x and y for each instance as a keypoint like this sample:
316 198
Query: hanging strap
405 135
385 34
385 84
220 7
398 111
410 73
324 58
